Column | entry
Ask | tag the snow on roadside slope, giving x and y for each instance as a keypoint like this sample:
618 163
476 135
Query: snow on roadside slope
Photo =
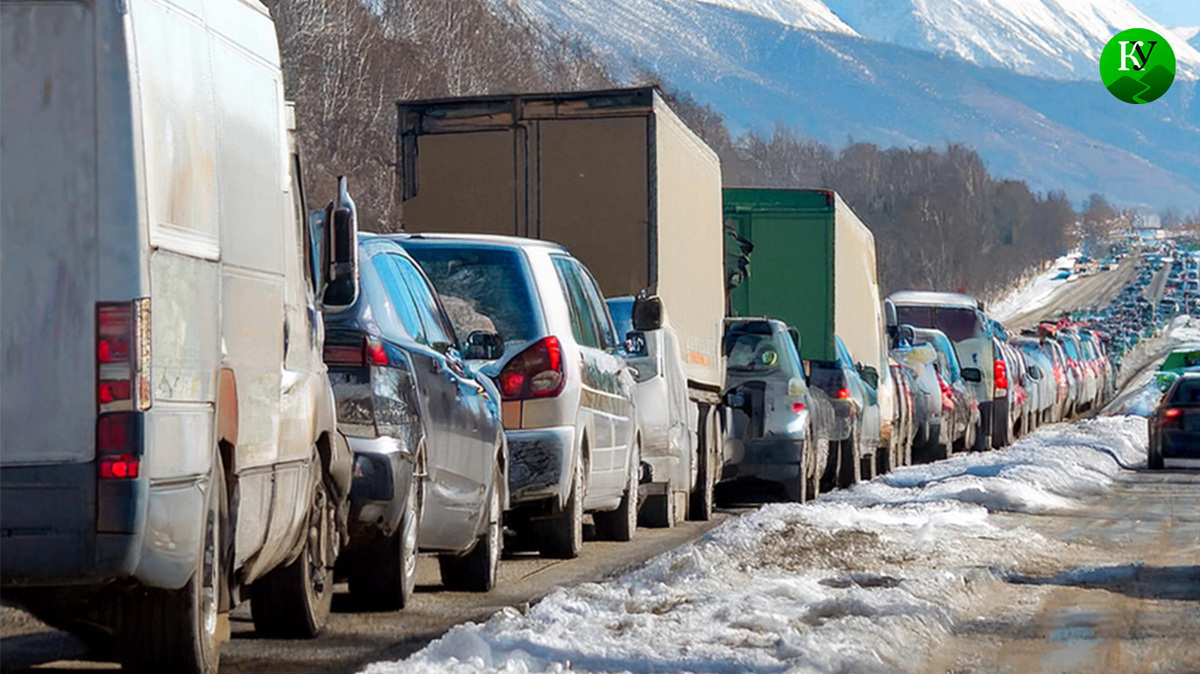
1036 293
869 579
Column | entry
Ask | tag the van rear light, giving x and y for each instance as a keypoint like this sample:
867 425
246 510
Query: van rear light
118 446
843 393
1001 377
123 355
536 372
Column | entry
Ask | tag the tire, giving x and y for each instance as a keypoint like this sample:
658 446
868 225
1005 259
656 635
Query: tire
177 630
1155 460
561 537
829 479
384 576
620 524
293 601
657 512
866 469
703 497
884 461
477 570
849 464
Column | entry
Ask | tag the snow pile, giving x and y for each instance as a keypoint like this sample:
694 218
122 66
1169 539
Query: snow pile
869 579
1036 293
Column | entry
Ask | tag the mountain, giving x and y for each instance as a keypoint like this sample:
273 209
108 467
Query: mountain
834 85
1189 33
1060 39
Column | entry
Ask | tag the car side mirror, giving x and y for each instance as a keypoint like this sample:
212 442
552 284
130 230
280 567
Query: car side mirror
1035 372
647 313
869 374
795 335
340 251
483 345
972 374
635 344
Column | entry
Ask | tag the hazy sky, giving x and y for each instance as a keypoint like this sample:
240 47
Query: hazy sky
1171 13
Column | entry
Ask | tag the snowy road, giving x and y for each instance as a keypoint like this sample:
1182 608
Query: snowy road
1048 300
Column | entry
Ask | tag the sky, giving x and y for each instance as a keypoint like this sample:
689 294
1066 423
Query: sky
1171 13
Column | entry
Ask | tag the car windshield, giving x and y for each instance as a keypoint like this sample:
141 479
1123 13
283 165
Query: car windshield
1186 392
958 323
482 288
755 347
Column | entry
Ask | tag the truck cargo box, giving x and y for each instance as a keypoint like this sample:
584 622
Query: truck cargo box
614 175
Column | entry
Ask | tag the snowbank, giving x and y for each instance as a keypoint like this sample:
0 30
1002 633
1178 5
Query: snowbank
1034 294
869 579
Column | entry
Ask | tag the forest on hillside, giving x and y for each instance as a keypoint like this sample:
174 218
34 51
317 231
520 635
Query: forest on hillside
941 220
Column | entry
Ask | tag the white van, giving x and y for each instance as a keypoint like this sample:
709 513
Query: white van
167 432
964 322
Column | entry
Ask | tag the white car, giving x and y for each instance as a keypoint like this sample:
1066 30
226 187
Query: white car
567 393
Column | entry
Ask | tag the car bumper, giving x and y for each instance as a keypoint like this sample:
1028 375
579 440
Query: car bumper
1180 445
770 460
539 463
383 474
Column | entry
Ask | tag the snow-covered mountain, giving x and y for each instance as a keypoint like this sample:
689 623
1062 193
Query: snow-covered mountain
1044 38
1189 33
758 62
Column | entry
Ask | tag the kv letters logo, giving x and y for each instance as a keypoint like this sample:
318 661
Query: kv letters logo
1137 65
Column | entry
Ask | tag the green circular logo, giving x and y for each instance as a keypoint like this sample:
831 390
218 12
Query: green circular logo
1137 65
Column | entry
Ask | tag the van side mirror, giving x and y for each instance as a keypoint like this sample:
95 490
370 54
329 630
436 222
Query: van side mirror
972 374
635 344
483 345
647 313
340 251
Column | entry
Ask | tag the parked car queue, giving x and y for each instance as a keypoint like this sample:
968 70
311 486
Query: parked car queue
469 366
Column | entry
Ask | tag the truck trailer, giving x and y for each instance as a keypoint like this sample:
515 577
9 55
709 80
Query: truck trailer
804 257
619 179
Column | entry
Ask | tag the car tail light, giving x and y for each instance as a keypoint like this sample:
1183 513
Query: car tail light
118 445
798 407
536 372
1000 377
123 355
369 352
947 393
843 393
1172 416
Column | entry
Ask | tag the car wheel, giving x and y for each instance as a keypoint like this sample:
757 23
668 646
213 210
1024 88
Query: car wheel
561 537
620 524
476 571
850 468
384 576
293 601
177 630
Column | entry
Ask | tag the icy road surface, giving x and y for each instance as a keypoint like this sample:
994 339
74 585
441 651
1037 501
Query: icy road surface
1061 553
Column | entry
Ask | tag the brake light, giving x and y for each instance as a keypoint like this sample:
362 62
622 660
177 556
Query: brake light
536 372
118 446
369 352
798 407
843 394
1000 377
123 355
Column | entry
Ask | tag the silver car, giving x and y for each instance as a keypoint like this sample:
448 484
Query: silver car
567 394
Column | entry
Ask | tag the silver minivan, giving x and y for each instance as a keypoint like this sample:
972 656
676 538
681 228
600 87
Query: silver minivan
567 394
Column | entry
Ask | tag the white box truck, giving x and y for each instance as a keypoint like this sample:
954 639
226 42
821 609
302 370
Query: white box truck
168 441
619 179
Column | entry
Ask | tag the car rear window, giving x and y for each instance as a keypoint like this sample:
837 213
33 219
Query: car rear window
1186 392
482 287
755 347
959 324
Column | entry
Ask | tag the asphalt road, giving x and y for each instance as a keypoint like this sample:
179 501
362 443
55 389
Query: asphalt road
354 638
1096 289
1126 598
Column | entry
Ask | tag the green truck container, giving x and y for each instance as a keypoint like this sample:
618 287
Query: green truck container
813 266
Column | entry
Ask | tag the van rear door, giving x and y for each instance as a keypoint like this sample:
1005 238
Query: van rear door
48 237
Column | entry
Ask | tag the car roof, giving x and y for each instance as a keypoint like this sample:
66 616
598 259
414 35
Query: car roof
486 239
930 297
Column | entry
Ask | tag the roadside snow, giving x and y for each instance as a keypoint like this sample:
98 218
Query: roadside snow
870 579
1034 294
